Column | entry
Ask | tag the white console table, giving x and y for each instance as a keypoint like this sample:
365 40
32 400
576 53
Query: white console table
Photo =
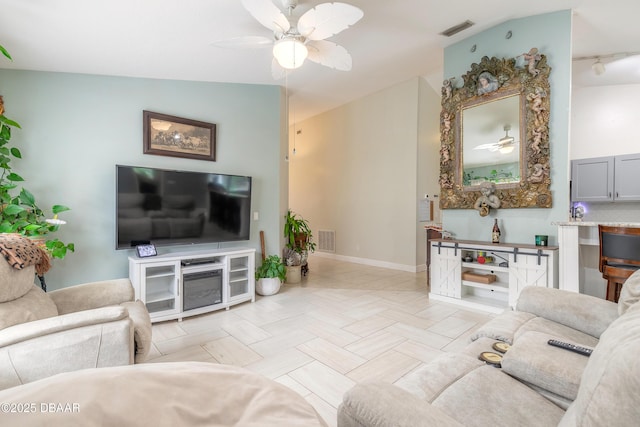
220 278
522 265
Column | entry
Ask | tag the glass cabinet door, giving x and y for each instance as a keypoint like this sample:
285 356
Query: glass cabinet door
160 290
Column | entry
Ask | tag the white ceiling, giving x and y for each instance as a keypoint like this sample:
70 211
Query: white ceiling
396 40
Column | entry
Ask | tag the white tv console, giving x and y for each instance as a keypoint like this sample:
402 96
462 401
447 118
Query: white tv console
522 265
178 285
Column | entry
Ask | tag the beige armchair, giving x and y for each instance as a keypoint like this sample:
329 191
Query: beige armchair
86 326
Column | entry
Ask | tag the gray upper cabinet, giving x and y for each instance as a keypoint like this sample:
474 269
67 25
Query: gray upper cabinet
606 179
592 180
627 178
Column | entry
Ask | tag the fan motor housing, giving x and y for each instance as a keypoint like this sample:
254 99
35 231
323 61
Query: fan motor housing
290 4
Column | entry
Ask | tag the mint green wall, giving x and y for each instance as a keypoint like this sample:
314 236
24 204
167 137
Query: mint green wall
551 34
76 128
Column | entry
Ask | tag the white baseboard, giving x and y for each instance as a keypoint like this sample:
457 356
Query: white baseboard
372 262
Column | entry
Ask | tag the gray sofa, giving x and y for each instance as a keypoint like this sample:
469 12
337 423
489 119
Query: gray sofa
86 326
537 384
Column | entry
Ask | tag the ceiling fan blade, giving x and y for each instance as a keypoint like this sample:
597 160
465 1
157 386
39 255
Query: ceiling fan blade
329 54
267 14
328 19
246 42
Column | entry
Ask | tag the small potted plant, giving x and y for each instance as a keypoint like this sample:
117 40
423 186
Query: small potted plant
270 275
297 233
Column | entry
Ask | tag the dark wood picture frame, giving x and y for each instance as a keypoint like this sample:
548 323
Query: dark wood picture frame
166 135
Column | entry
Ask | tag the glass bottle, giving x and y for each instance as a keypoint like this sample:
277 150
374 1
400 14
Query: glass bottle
495 234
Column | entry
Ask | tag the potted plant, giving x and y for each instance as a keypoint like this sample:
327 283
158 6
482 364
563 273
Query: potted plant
293 261
270 275
299 242
297 233
19 212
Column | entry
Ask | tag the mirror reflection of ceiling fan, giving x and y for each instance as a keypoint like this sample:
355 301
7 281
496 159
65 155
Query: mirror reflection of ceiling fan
294 42
505 145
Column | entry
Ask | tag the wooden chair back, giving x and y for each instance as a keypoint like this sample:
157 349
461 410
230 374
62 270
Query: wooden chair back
619 256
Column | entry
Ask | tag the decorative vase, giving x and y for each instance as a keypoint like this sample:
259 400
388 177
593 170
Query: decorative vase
294 274
268 286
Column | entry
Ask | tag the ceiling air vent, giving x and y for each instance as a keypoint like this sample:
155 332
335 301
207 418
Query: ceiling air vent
457 28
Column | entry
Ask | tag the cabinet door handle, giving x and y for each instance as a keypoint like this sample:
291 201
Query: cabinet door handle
609 195
617 194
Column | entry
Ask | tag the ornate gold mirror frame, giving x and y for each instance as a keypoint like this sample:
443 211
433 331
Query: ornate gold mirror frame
491 80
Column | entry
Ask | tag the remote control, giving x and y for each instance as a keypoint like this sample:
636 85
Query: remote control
571 347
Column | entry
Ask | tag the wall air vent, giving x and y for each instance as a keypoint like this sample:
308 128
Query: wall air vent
457 28
326 240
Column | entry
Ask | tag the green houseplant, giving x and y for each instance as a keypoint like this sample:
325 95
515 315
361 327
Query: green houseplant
270 275
299 242
297 233
19 212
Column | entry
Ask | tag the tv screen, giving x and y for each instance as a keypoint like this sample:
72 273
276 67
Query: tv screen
167 207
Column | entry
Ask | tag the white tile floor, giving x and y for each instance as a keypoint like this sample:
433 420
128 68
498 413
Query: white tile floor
344 323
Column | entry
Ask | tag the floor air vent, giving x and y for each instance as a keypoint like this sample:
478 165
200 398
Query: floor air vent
327 240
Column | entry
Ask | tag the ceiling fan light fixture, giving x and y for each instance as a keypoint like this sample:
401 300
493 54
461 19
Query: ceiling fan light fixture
506 149
290 52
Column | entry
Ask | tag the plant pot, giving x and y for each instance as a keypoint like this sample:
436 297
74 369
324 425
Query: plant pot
294 274
268 286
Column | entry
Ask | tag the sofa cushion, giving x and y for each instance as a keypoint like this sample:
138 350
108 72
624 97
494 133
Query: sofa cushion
429 380
35 305
503 327
533 360
488 397
382 405
608 394
630 293
564 333
92 295
567 308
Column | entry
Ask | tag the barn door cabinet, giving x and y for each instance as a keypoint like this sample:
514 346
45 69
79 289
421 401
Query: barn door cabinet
457 276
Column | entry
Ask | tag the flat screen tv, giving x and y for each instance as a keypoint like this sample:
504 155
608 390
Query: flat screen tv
168 207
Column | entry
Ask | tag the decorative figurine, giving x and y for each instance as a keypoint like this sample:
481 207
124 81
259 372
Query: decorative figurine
487 83
446 124
444 154
447 88
488 199
538 173
532 58
537 139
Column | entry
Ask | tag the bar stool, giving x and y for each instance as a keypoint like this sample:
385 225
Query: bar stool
619 256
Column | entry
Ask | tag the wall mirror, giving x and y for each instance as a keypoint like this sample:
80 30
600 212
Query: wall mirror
495 129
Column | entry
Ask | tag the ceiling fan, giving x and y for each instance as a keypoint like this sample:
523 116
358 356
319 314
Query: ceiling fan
505 145
294 42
